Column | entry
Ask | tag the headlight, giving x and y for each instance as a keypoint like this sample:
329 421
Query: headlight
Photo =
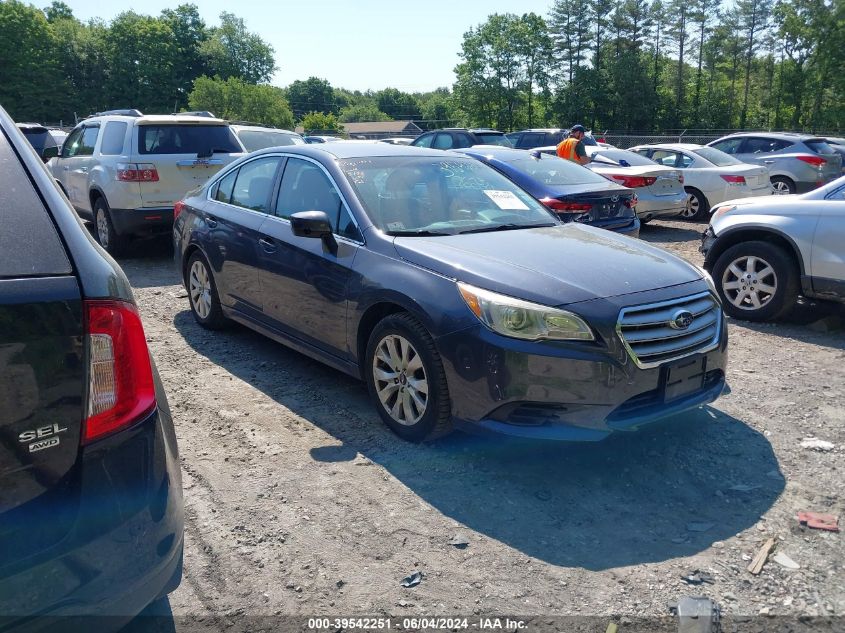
522 319
709 279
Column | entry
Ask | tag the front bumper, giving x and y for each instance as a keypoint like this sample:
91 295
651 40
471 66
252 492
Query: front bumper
142 221
569 391
708 238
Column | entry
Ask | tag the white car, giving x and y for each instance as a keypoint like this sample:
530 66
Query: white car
764 252
710 175
256 137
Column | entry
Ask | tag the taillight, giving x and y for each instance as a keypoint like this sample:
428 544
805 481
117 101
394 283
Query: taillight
815 161
566 207
633 181
137 172
178 208
733 180
121 389
631 202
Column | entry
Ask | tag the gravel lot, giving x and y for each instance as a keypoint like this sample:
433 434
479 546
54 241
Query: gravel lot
300 501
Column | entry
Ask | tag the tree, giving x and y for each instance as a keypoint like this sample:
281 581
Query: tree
237 100
702 13
31 83
321 122
397 104
83 61
535 51
753 15
312 95
678 32
189 34
58 11
568 25
232 51
362 112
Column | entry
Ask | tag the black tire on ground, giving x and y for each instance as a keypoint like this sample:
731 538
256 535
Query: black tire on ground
782 185
436 420
214 319
698 207
783 273
108 238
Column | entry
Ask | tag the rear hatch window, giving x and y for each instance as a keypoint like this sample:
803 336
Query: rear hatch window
186 139
489 138
254 140
819 146
38 137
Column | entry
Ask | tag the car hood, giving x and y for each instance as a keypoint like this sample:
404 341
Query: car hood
550 265
770 201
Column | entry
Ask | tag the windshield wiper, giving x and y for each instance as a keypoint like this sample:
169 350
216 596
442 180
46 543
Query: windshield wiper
504 227
419 233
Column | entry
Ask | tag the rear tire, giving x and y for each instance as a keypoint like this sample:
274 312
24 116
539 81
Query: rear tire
757 281
782 186
108 238
697 206
202 293
406 379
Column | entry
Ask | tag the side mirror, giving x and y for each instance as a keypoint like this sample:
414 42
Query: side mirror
49 152
314 224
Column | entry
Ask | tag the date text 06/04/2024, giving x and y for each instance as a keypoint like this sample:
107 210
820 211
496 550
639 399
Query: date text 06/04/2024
415 624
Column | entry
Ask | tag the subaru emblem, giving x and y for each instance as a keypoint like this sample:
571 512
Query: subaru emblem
681 320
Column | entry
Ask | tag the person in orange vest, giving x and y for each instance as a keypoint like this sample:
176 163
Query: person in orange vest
572 148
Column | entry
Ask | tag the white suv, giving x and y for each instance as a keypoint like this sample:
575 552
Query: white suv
125 171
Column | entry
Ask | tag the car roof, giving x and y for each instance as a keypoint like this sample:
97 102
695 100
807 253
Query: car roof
355 150
685 146
259 128
504 154
786 136
158 118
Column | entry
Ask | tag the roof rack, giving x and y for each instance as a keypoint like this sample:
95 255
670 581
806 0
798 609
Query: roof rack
126 112
204 113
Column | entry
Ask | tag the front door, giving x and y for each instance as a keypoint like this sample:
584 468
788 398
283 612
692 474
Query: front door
304 281
828 255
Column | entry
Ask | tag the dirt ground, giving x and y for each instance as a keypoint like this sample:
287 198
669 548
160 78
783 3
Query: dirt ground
300 501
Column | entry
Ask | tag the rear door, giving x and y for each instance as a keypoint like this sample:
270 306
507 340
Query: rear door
184 153
42 369
828 256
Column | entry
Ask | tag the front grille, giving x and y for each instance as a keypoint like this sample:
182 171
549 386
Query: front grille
651 339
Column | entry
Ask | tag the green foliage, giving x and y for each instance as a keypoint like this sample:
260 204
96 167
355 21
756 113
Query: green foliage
362 112
237 100
397 104
321 122
312 95
232 51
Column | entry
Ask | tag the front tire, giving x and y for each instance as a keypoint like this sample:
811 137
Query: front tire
757 281
697 205
406 380
202 293
108 238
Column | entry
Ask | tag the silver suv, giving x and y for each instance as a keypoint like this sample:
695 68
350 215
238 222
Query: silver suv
125 171
764 252
796 162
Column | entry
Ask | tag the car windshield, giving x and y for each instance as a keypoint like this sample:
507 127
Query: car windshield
621 157
716 156
259 139
494 139
412 195
186 139
551 170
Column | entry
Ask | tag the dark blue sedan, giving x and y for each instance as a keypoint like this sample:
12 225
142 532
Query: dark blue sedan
571 191
453 293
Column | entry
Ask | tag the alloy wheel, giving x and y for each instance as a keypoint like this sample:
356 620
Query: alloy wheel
102 228
199 288
400 379
780 188
749 282
691 208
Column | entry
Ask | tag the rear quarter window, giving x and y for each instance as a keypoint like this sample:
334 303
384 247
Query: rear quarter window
29 243
113 137
820 147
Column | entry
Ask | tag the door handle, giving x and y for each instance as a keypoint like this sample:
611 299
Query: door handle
768 162
84 170
267 244
66 168
211 221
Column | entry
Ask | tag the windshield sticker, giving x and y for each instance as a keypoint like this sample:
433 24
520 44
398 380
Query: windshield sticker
395 226
505 199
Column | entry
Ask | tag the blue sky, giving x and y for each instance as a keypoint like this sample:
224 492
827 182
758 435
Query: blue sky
355 44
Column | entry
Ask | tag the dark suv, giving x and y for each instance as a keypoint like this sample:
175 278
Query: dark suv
529 139
42 141
91 516
458 138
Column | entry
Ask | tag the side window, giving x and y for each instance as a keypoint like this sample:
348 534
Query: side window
424 140
89 140
113 136
531 140
665 157
685 161
465 140
729 145
306 188
345 225
71 144
763 145
225 187
254 184
442 141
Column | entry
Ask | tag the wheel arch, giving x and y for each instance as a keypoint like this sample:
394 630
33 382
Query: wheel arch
748 234
374 313
94 194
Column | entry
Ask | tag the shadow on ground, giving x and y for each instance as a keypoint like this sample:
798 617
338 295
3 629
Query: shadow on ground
156 618
670 490
663 233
